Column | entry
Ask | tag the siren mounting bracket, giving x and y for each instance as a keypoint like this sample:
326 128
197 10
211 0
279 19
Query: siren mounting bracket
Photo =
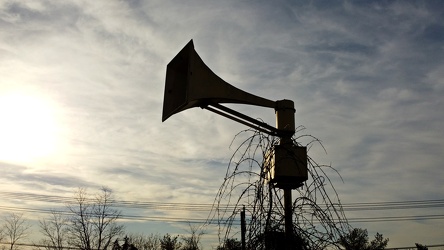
244 119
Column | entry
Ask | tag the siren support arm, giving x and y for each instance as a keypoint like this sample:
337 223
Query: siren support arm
241 118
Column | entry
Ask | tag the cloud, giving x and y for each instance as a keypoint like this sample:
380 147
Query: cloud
46 181
365 78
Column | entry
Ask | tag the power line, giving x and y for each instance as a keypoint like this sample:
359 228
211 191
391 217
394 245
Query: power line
393 205
117 203
397 218
38 245
124 216
196 207
215 221
413 204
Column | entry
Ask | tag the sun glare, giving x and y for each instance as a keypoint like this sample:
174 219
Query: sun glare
28 130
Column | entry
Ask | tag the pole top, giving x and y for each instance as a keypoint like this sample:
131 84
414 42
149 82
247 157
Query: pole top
285 116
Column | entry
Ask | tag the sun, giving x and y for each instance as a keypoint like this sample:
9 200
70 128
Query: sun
28 128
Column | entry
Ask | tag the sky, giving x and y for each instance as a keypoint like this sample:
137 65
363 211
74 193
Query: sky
82 84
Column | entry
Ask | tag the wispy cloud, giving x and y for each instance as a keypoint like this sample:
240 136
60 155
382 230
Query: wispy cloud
366 79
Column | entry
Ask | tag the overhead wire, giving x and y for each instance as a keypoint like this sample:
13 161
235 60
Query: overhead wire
202 207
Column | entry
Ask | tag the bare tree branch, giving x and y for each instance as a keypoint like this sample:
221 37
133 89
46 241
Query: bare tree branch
15 229
318 218
54 231
93 225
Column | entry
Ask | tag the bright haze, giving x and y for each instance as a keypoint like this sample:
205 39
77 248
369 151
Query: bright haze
82 84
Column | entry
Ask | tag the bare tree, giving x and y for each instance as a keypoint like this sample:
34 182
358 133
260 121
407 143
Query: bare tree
80 227
94 221
104 222
169 242
358 239
15 229
54 231
317 214
145 242
192 242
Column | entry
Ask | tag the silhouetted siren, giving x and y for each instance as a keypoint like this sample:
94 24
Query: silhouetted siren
190 83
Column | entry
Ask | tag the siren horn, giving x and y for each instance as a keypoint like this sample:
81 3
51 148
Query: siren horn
191 83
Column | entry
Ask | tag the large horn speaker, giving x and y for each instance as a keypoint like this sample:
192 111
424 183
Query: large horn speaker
190 83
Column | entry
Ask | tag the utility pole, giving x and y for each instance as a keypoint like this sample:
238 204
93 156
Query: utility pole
243 228
285 121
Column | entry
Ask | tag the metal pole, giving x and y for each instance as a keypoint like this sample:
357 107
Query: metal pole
288 207
243 227
285 121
